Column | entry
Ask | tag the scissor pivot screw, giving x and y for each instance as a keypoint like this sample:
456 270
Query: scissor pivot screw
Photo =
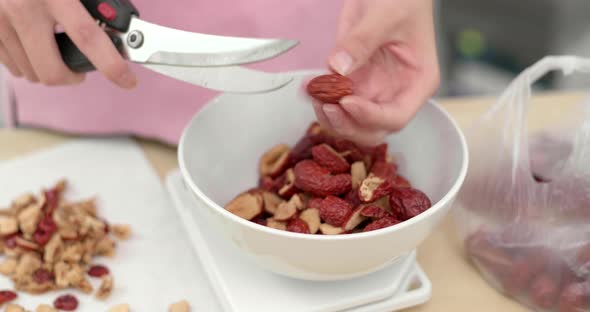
135 39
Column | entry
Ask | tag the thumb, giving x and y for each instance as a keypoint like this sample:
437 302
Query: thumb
355 48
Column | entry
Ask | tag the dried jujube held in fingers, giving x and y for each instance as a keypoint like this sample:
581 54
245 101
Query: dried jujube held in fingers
330 88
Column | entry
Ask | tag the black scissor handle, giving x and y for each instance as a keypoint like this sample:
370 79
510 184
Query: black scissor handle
116 14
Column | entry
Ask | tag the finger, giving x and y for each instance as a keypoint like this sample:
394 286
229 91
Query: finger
35 31
344 126
8 63
321 116
92 41
355 48
350 13
12 44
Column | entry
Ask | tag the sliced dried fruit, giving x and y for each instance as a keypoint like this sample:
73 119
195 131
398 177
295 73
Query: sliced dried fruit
358 173
10 241
328 158
106 287
66 302
98 270
407 203
42 275
275 161
329 88
302 150
120 308
11 307
384 170
313 178
8 266
180 306
328 229
311 216
23 243
41 237
285 211
298 226
121 231
47 225
381 223
267 183
271 202
8 225
375 212
335 211
373 188
7 296
289 187
354 219
28 218
246 205
45 308
275 224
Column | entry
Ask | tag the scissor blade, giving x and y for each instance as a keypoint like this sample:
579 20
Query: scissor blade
163 45
234 79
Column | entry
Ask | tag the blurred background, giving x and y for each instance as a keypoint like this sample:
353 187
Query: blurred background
483 44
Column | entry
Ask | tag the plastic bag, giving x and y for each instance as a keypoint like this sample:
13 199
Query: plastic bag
524 209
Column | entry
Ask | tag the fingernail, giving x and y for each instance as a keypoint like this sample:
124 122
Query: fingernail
332 114
128 80
341 62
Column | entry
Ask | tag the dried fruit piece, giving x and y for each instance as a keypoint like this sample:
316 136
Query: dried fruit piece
289 188
275 224
271 202
285 211
66 302
297 201
354 219
8 225
400 181
98 270
180 306
381 223
329 88
544 291
313 178
7 296
45 308
23 243
266 183
302 150
121 231
41 237
374 212
42 275
246 205
120 308
315 202
10 241
335 211
298 226
358 173
328 229
384 170
353 198
11 307
8 266
311 216
379 153
28 218
47 225
328 158
106 287
275 161
373 188
407 203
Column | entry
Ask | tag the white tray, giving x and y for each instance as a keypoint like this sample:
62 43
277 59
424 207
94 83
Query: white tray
241 285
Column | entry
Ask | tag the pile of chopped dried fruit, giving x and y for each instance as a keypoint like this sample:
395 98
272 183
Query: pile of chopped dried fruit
49 244
328 185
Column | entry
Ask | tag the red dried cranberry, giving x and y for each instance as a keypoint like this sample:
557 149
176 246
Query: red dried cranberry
98 270
51 199
66 303
41 276
10 241
47 225
41 237
6 296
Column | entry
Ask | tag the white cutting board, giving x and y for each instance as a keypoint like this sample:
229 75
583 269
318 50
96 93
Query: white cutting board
157 266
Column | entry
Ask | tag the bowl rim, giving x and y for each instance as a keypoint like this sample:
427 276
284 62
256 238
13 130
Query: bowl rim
363 235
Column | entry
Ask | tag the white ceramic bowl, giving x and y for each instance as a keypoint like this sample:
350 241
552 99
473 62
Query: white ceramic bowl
218 157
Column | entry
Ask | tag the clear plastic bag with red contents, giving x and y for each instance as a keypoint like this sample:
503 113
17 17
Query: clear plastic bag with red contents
524 209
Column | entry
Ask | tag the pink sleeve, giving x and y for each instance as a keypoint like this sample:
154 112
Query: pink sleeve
160 107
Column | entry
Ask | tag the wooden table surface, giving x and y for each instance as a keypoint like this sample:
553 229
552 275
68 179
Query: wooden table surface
456 285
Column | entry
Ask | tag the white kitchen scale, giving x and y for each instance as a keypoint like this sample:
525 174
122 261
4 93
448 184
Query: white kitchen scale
241 285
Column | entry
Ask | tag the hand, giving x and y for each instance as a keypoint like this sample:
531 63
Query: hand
28 47
387 47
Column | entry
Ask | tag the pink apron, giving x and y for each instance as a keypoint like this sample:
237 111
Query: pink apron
160 107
